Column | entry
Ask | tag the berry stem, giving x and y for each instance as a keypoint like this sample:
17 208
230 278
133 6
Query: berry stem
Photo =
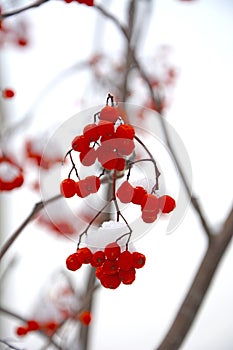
73 164
157 172
110 97
91 222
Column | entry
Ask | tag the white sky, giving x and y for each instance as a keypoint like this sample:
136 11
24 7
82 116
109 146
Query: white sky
201 34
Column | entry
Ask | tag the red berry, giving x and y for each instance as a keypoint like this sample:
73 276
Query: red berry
91 132
125 260
8 93
150 216
88 157
68 188
125 131
80 143
22 41
84 255
166 204
127 277
85 317
50 327
106 129
138 260
92 183
21 331
125 192
32 325
99 272
120 164
112 251
109 113
98 258
139 193
150 203
124 146
73 262
110 267
81 189
110 281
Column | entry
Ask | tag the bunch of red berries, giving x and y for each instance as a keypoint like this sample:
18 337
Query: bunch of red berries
150 204
113 266
51 326
33 326
115 143
11 174
82 188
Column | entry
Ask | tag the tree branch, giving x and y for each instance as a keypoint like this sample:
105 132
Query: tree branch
22 9
24 320
195 296
37 208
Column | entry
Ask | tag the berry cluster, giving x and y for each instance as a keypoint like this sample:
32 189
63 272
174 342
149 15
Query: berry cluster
105 141
51 326
82 188
11 174
113 266
150 204
32 326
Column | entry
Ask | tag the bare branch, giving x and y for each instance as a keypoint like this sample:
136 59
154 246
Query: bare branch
22 9
37 208
195 296
24 320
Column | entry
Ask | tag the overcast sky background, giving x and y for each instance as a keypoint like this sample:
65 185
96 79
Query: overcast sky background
201 36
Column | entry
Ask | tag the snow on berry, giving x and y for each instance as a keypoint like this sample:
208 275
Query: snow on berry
11 174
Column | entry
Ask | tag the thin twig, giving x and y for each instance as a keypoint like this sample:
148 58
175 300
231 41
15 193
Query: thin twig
36 209
22 9
24 320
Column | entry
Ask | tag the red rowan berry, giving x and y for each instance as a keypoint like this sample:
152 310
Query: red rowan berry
149 217
22 41
98 258
109 113
84 255
99 272
80 143
124 146
125 260
125 192
8 93
166 204
85 317
112 251
138 260
111 281
110 267
32 325
139 193
127 277
50 327
92 183
120 164
125 131
106 130
91 132
149 202
68 188
73 262
81 189
88 157
21 331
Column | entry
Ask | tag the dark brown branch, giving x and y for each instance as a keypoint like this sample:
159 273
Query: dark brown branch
22 9
195 296
37 208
